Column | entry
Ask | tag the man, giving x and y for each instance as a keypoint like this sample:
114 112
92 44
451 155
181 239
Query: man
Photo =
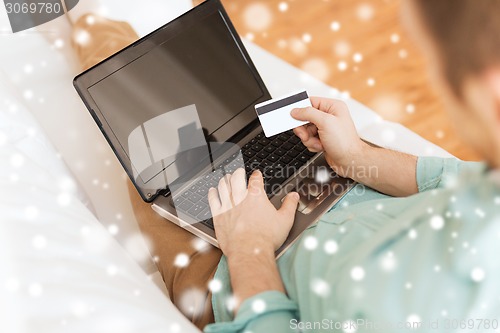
424 258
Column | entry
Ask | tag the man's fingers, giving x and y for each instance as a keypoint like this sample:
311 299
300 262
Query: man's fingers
256 183
302 133
213 201
314 145
238 186
332 106
290 203
225 192
310 114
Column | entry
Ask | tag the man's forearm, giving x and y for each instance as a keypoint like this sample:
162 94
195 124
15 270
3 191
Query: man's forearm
385 170
253 272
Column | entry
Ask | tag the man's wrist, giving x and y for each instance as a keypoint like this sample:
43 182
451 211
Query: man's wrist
354 162
253 270
255 250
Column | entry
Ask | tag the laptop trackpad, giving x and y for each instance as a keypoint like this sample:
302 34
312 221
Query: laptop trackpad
319 183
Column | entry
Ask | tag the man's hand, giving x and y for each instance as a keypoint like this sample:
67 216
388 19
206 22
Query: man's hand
244 218
331 130
249 230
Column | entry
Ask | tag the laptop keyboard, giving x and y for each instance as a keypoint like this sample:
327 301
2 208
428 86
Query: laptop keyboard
278 158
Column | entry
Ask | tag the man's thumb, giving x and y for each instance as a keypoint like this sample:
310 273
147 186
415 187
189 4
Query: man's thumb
290 203
310 114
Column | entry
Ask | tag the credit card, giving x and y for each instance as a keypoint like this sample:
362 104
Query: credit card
274 115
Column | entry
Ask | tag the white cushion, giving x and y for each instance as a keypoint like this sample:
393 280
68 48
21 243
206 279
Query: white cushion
42 72
61 270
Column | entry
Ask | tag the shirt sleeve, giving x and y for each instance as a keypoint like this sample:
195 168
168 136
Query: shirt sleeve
437 172
270 311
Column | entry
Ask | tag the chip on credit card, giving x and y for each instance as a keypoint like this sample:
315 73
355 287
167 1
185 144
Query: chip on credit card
275 117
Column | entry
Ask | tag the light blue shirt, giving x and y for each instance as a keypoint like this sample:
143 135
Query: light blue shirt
373 263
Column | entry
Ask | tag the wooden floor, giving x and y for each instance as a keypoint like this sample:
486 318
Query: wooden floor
356 46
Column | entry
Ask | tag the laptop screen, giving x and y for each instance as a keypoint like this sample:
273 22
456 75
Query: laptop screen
174 99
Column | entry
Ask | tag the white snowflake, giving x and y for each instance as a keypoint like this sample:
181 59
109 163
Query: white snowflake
79 309
138 245
12 285
181 260
330 247
477 274
317 67
307 38
112 270
349 326
320 287
258 306
200 245
310 243
231 303
479 212
28 94
388 262
412 234
357 273
297 46
335 26
342 66
342 48
410 108
257 16
35 290
39 242
28 68
17 160
175 328
64 199
191 302
395 38
82 37
215 285
3 138
413 321
357 57
113 229
31 212
59 43
90 19
283 6
437 222
365 12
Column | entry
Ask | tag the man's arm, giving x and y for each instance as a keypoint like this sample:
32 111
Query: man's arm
385 170
254 272
249 230
332 131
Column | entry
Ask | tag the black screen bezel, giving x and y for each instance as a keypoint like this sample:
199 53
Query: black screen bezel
90 77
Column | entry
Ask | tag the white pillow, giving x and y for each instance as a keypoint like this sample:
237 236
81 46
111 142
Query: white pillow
61 271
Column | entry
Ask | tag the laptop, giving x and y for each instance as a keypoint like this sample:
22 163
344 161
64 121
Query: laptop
177 108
